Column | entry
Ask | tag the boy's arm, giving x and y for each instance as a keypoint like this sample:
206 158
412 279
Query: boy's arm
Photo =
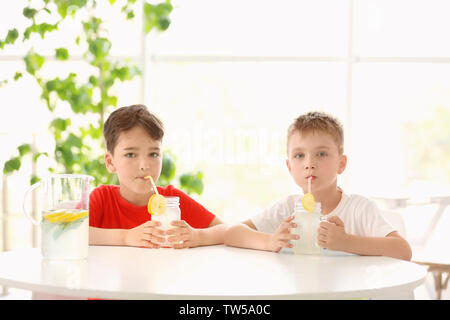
145 235
393 245
332 236
106 237
213 234
245 235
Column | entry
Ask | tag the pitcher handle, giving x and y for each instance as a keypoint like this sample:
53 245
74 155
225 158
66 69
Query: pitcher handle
25 211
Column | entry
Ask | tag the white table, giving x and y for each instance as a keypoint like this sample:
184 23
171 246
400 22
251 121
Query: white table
208 273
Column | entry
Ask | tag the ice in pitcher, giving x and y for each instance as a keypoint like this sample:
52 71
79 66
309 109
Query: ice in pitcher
65 234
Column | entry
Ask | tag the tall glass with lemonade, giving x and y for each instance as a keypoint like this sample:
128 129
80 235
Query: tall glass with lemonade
307 214
64 217
164 210
171 213
308 223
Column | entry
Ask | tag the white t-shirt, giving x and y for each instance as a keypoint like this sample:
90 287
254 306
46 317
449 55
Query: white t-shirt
361 216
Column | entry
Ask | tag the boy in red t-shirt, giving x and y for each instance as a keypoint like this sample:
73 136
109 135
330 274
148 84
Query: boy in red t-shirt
118 214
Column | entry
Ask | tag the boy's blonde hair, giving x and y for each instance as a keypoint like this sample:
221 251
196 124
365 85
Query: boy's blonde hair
319 121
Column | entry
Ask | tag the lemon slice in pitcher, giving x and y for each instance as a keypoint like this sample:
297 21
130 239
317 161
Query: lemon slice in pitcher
76 216
55 215
157 204
64 216
308 202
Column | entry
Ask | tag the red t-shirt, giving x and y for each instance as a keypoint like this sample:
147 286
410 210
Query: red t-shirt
107 209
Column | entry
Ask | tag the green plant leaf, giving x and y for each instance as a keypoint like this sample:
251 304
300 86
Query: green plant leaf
168 169
92 26
66 7
37 155
11 165
74 141
34 179
80 100
130 15
24 149
29 12
62 54
11 37
42 29
33 62
60 124
65 156
45 27
99 48
157 16
192 182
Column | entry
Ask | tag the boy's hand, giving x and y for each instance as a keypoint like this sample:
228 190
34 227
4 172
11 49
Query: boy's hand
331 234
280 239
146 235
182 235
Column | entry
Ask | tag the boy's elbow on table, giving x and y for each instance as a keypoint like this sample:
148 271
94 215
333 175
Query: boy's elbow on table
229 234
407 252
403 250
234 234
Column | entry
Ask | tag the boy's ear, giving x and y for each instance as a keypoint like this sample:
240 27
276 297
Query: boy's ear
342 164
288 165
109 162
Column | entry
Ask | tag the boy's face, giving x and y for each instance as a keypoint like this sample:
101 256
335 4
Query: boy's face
316 155
136 155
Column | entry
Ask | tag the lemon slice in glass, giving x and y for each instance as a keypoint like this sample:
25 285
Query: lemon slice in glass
308 202
157 204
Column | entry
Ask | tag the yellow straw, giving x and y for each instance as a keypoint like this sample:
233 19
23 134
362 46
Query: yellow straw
153 183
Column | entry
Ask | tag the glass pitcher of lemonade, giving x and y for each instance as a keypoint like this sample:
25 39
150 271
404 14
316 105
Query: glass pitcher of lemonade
64 216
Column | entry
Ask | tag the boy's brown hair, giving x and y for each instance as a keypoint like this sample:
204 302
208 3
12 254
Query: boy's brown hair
319 121
126 118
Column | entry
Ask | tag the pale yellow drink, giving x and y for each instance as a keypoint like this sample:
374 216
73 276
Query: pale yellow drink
172 212
307 225
65 234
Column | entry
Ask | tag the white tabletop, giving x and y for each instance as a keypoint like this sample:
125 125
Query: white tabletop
213 272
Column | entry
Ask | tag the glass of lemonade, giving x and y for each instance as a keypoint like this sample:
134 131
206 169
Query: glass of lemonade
172 213
307 225
64 218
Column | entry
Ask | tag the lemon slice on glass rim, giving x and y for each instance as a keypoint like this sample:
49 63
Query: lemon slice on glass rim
308 202
157 205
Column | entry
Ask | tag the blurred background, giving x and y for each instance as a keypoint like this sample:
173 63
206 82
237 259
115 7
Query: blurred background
227 78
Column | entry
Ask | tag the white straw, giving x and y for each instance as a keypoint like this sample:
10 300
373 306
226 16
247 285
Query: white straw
309 184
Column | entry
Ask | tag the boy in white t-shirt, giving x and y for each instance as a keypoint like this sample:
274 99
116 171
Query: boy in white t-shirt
354 223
